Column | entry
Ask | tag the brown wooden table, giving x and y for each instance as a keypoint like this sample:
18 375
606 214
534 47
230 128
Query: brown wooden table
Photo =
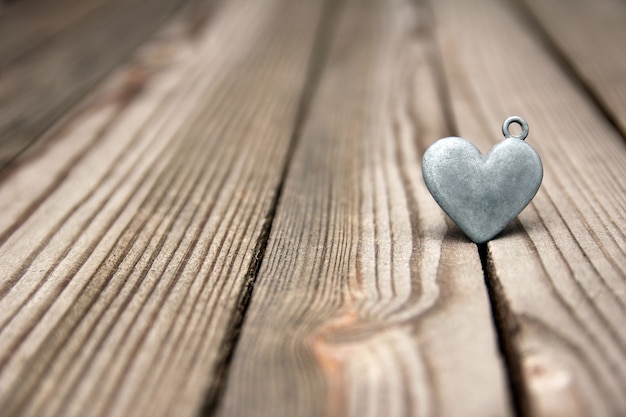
216 208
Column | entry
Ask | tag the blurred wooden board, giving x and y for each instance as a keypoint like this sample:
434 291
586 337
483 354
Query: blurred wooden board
367 303
120 285
591 36
562 266
25 25
51 60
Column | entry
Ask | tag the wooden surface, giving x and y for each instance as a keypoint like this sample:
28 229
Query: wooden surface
215 208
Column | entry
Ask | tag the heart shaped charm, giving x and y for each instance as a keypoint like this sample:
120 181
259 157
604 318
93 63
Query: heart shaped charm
483 193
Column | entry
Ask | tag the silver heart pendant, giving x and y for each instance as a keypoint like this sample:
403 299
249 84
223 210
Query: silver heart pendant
482 194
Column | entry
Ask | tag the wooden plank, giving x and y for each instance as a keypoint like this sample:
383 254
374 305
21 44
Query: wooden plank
591 35
121 282
42 85
562 266
367 304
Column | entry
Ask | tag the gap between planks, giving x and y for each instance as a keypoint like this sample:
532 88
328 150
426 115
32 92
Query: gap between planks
507 328
317 61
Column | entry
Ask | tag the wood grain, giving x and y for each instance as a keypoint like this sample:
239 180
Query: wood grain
123 269
367 303
562 266
591 36
70 56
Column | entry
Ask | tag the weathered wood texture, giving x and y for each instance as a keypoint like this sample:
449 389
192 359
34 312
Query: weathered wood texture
591 36
131 236
125 243
53 52
562 267
367 304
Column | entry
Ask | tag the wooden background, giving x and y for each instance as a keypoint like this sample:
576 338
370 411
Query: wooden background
215 208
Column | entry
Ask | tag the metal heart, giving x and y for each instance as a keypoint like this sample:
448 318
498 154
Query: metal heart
482 193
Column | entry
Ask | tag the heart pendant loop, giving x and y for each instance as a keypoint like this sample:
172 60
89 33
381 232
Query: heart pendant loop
515 119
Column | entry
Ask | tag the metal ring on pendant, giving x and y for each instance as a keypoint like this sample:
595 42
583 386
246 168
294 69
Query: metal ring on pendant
515 119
